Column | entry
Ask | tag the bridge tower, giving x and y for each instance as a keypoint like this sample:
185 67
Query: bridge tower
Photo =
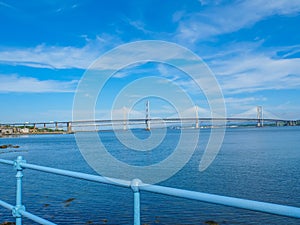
260 120
197 119
124 118
147 115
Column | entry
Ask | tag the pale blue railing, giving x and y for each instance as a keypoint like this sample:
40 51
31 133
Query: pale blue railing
19 211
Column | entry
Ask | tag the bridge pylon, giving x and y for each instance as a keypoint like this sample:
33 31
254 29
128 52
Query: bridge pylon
147 121
124 118
197 117
260 120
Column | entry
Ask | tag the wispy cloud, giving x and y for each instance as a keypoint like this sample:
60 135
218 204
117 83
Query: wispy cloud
254 71
240 68
6 5
59 57
138 25
289 52
232 17
43 56
14 83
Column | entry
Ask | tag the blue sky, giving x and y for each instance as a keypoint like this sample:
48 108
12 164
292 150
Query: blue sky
252 47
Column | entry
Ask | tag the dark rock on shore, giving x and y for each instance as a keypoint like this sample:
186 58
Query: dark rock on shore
8 223
68 202
211 222
9 146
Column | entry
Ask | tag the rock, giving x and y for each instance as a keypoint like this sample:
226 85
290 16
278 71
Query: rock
68 202
9 146
211 222
8 223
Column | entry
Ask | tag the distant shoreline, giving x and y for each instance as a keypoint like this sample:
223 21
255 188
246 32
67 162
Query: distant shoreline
34 133
3 135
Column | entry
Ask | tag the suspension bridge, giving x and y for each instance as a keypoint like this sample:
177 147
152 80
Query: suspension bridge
147 122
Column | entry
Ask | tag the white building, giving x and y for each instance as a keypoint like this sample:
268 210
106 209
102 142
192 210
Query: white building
4 130
24 130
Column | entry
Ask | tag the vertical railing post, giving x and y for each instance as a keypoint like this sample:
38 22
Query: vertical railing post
19 207
136 201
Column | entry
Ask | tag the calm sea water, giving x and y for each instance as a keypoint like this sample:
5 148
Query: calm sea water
255 163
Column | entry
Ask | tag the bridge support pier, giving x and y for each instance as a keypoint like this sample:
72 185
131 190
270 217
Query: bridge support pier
69 127
260 116
292 123
148 124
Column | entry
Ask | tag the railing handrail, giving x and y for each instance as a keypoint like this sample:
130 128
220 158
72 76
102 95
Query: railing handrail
137 186
27 214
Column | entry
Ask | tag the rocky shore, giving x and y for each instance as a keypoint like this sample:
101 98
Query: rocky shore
9 146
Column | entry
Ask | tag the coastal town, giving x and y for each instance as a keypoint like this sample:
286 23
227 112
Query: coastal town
12 130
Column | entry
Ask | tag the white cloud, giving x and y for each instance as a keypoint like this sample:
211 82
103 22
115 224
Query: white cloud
177 16
238 106
43 56
291 51
256 71
224 19
139 26
59 57
14 83
6 5
141 51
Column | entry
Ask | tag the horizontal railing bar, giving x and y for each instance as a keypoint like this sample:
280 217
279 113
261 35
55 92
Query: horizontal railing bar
6 205
204 197
271 208
9 162
27 214
36 218
78 175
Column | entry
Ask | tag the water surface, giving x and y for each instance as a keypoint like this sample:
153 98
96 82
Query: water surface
255 163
